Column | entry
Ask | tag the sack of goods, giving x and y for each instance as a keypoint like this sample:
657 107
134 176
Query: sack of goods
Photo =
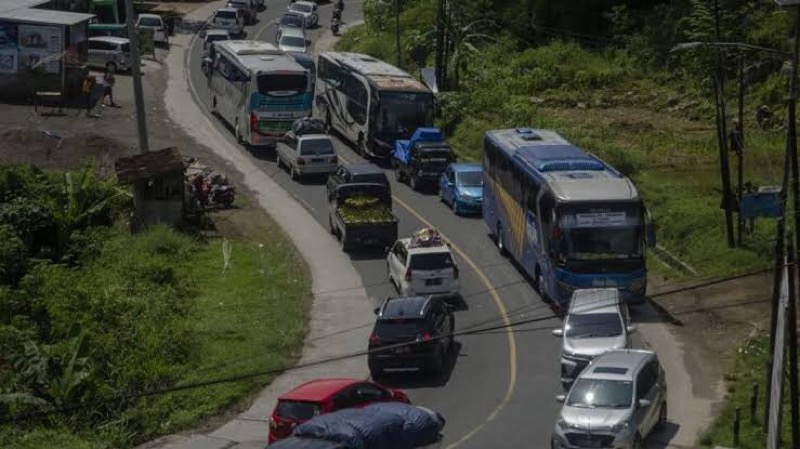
308 126
427 237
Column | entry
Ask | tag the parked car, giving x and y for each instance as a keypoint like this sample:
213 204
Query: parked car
361 172
308 10
423 265
307 151
293 39
111 53
411 332
597 321
156 23
229 19
247 9
461 187
422 159
324 396
616 402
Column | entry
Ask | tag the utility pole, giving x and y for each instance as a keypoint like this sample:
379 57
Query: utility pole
791 322
397 30
439 56
737 145
136 73
722 134
791 146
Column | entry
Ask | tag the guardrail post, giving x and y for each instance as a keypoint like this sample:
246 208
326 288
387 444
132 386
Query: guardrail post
753 403
736 418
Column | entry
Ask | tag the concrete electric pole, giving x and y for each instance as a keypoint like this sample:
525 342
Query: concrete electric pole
136 73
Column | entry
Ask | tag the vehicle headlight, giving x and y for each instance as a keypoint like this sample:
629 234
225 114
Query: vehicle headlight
463 196
620 427
566 425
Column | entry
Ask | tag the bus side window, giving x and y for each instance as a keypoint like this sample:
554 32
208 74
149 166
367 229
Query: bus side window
489 157
546 209
518 185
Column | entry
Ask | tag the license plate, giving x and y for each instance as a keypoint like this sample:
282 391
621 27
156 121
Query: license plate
318 159
402 350
436 281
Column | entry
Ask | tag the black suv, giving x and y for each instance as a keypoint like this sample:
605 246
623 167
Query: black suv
356 173
411 332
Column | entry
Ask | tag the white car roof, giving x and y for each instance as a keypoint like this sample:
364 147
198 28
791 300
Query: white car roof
313 137
111 39
443 248
293 31
233 10
149 16
217 32
306 3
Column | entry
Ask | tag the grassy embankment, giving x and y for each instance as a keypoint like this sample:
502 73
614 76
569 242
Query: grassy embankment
145 312
644 121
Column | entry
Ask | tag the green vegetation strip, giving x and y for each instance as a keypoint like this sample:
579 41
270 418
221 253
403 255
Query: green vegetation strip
104 312
749 368
362 210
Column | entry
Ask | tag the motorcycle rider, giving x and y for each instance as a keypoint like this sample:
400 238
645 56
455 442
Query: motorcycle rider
336 15
340 5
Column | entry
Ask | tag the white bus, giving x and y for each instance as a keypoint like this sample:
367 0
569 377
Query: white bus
370 102
258 90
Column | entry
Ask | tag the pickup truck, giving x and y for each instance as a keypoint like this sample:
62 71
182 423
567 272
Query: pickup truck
421 159
361 215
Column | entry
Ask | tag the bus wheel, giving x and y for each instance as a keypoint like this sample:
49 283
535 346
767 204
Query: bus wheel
537 280
238 134
501 244
361 146
328 122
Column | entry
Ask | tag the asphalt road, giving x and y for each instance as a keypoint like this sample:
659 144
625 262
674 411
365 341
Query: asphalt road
500 387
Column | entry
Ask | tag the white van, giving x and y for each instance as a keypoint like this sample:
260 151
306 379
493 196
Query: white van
108 52
156 23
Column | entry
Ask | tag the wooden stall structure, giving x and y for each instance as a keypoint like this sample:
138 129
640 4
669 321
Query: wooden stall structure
158 181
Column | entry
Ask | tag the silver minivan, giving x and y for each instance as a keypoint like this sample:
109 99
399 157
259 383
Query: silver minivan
616 402
229 19
108 52
597 321
293 39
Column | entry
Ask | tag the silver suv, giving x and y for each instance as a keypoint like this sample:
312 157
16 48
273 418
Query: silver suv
597 321
616 402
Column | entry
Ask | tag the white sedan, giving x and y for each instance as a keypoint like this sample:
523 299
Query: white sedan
306 9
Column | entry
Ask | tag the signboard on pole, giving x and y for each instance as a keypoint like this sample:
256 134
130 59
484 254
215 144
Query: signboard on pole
40 47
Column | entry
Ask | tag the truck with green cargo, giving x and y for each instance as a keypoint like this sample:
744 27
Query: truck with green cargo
360 215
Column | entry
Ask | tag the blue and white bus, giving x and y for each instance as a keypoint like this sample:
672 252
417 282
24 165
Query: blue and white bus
566 217
259 90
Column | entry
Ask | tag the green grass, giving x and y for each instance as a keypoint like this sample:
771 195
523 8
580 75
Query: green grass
246 317
749 368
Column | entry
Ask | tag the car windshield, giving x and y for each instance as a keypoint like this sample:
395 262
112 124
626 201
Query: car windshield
291 20
601 393
297 410
401 113
593 325
301 7
149 22
217 37
283 83
226 15
469 179
376 178
431 261
399 328
316 147
293 41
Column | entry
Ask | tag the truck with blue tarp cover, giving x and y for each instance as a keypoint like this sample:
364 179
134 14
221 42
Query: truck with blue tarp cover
422 159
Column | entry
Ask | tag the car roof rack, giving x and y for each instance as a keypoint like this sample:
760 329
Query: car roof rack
308 125
427 237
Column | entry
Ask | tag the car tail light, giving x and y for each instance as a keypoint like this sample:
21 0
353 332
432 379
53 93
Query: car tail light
272 423
455 271
253 121
556 232
426 337
408 275
374 340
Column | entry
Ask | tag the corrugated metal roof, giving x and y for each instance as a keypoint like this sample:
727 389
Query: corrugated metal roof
149 165
45 16
10 5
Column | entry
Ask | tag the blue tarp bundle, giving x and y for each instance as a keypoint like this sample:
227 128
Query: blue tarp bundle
402 148
378 426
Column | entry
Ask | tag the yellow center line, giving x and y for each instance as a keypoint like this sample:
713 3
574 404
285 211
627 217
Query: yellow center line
501 307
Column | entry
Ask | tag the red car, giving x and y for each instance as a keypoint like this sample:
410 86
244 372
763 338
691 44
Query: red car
325 396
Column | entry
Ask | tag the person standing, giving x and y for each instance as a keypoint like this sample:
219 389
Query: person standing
87 87
108 88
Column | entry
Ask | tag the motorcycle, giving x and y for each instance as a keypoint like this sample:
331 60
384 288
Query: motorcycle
212 189
335 26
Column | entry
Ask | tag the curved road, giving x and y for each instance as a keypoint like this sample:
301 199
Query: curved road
501 385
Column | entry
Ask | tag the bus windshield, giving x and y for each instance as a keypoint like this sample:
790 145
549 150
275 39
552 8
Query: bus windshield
282 83
599 233
401 113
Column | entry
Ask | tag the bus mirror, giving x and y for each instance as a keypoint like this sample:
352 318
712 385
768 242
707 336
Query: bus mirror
650 229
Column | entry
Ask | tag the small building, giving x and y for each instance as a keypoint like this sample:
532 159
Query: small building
158 182
41 50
